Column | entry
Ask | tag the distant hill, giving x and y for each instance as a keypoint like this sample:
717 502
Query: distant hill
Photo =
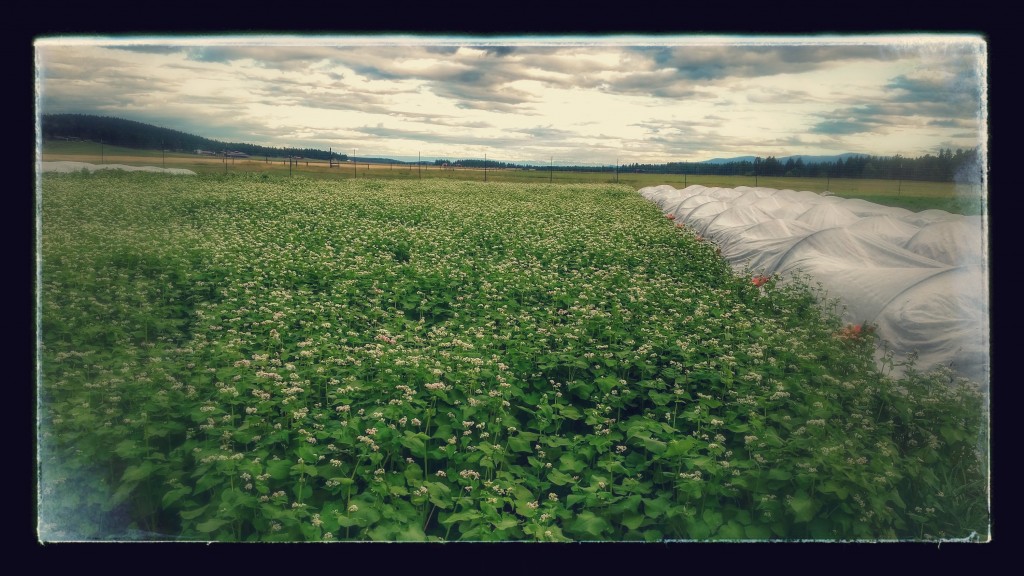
132 134
784 159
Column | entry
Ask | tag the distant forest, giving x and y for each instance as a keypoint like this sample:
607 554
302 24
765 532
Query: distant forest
948 166
131 134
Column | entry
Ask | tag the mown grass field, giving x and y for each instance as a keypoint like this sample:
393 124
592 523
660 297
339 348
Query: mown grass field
251 357
913 195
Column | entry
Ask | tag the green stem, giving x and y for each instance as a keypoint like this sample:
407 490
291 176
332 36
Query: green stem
433 508
451 525
426 431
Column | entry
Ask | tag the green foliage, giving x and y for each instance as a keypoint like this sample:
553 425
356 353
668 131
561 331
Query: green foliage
237 359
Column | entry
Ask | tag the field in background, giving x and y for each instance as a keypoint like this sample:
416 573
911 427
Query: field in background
913 195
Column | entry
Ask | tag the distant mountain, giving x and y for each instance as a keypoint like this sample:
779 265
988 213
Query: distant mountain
784 159
132 134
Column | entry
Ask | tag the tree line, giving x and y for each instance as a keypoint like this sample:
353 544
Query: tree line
947 166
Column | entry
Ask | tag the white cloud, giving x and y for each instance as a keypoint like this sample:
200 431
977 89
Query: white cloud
653 99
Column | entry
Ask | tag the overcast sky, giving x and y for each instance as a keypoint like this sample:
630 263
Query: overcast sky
594 100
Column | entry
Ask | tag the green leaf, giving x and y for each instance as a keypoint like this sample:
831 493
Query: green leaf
712 517
738 427
710 402
192 514
278 469
439 494
660 398
347 521
697 529
654 507
555 441
803 507
208 481
521 493
302 491
523 508
693 488
461 516
732 530
415 443
412 533
654 446
779 474
590 524
570 463
702 462
127 449
122 494
570 412
309 532
300 469
558 478
306 453
894 497
581 389
174 495
633 520
832 487
951 435
413 473
211 524
606 383
137 473
758 532
519 444
506 522
680 447
630 503
653 535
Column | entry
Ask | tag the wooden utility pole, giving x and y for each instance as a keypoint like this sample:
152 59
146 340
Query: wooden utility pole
485 167
899 187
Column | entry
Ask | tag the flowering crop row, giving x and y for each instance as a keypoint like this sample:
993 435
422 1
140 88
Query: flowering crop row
237 358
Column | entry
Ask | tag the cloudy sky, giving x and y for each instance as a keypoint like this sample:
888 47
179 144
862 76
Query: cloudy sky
595 100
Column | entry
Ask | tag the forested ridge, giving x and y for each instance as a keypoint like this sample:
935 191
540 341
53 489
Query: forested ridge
132 134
